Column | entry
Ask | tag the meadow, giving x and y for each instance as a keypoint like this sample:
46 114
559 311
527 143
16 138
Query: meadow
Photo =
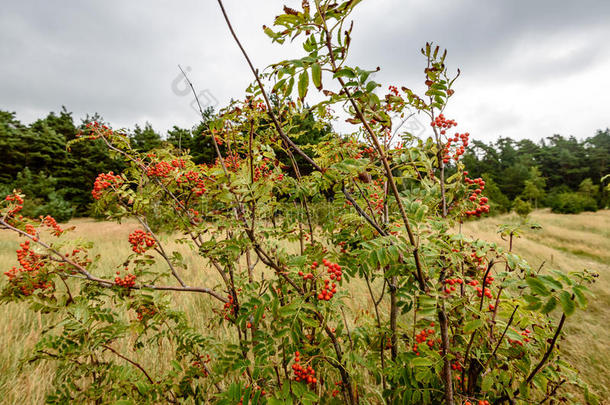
566 242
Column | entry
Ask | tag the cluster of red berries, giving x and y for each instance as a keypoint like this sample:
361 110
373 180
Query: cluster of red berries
141 241
265 170
377 202
195 218
159 169
31 230
28 260
450 284
30 263
481 402
456 366
526 338
333 269
218 139
328 291
459 149
442 123
128 281
18 203
144 311
301 373
94 129
476 197
200 364
229 307
476 257
232 162
103 181
51 223
179 163
258 104
193 179
486 292
368 151
393 90
422 337
335 392
307 276
84 261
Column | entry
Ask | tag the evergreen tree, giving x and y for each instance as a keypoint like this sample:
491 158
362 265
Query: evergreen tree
145 139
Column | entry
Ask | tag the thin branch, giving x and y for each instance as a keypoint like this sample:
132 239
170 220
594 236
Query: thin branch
542 361
493 354
86 275
131 362
161 251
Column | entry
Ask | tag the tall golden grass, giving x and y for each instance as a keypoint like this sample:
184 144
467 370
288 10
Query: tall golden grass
566 242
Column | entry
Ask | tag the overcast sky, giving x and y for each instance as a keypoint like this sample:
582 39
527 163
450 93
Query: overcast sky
530 69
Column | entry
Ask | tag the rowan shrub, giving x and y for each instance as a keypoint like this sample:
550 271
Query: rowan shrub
443 319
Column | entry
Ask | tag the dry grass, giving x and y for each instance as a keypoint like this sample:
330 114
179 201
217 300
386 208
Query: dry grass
567 242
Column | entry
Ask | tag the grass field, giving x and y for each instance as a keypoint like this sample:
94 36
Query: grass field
567 242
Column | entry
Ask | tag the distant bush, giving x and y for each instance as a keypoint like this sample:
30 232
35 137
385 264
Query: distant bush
43 198
522 208
572 203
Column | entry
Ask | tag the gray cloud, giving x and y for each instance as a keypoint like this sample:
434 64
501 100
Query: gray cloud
524 64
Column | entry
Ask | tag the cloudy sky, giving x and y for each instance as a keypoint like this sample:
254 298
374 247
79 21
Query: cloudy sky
530 69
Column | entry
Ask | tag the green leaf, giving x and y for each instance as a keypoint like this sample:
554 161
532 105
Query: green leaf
566 303
176 366
550 282
316 75
486 383
549 306
345 72
472 325
420 362
370 86
288 89
303 84
580 298
537 286
533 305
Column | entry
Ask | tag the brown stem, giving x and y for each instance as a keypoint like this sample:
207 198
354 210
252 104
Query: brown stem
553 391
159 249
493 354
447 377
131 362
361 212
542 361
349 335
378 318
443 323
393 317
384 160
276 123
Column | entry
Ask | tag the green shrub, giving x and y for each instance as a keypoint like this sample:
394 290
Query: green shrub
43 199
572 203
522 208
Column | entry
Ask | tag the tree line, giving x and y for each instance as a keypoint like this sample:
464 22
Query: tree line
561 172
